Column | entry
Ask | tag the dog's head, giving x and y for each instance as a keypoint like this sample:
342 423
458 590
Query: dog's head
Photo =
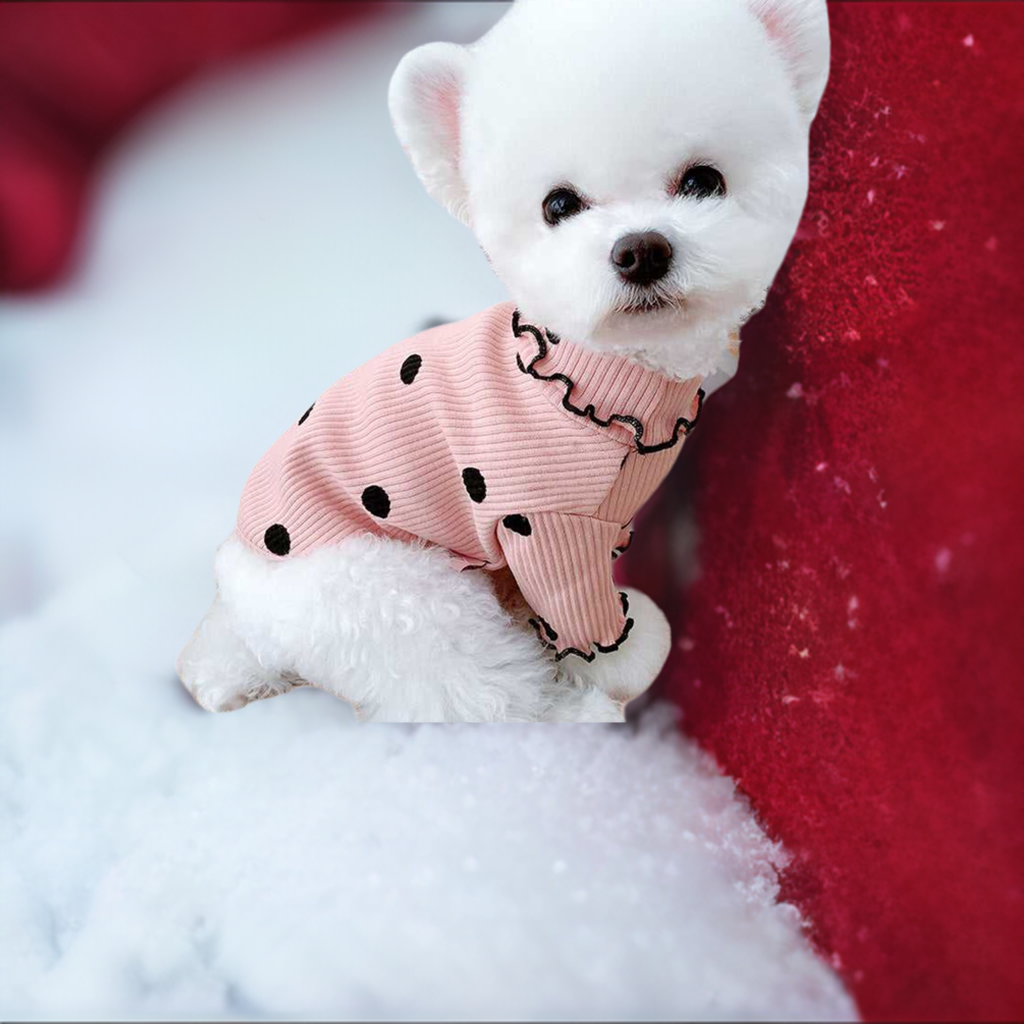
635 171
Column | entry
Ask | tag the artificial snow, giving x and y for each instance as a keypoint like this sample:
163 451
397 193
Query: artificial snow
252 240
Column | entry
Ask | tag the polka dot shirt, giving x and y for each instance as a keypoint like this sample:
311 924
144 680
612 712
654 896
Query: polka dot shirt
495 440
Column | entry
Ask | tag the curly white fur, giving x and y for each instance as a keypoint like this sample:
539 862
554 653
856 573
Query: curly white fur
391 627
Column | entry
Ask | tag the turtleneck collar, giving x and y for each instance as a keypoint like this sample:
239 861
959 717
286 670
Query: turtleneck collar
653 410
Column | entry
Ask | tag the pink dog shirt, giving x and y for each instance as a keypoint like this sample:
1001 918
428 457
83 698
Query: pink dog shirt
495 440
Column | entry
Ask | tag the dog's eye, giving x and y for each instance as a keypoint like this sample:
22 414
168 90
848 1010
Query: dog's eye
701 183
561 203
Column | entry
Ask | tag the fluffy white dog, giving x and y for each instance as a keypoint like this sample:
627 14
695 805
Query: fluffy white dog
635 173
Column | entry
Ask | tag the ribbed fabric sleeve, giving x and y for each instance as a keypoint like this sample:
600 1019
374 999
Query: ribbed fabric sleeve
563 566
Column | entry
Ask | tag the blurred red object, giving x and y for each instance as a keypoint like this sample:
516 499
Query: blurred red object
853 651
72 75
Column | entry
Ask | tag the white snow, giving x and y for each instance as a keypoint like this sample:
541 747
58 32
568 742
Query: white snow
253 239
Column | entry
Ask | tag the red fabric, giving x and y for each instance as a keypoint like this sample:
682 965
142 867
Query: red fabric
852 650
72 74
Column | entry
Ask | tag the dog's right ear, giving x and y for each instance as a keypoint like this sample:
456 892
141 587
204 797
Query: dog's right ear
800 29
425 98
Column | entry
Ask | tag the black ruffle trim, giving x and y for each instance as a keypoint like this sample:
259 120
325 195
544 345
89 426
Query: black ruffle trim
543 628
623 548
543 339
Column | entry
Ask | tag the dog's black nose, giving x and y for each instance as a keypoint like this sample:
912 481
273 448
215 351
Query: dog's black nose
642 257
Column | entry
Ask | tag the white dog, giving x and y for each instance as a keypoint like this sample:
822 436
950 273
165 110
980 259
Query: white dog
635 173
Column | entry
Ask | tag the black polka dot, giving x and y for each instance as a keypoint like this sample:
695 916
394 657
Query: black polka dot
376 502
277 540
476 486
518 524
305 415
410 368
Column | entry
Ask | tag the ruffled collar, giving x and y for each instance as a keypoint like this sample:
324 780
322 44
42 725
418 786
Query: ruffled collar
653 410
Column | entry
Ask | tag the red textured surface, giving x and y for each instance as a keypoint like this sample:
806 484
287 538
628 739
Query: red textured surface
852 651
72 75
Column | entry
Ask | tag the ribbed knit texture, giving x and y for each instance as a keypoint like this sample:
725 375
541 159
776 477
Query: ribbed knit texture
455 437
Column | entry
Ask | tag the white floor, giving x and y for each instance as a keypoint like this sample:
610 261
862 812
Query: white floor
253 239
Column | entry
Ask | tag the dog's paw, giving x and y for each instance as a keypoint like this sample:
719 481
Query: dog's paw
211 697
212 689
626 673
207 679
595 706
218 669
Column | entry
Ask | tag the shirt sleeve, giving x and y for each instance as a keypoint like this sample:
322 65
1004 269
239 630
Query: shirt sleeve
563 566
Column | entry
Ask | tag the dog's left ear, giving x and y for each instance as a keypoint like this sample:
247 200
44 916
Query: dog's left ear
800 29
425 98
